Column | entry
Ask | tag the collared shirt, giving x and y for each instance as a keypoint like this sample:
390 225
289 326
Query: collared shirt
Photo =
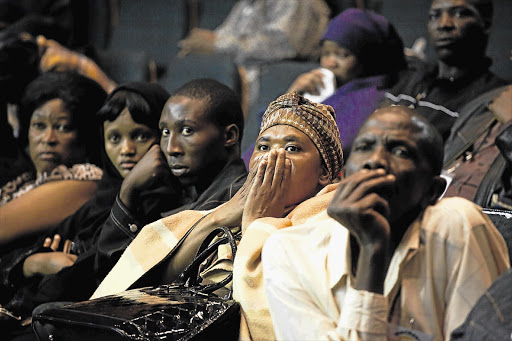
444 263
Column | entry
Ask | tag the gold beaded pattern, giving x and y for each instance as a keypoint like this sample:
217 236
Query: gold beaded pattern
316 120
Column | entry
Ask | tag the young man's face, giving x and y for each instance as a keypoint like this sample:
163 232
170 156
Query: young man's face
456 30
193 145
389 140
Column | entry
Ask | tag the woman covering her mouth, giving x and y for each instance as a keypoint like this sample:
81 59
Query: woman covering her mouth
297 155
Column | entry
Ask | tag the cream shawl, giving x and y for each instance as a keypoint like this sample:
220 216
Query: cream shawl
159 238
248 286
151 245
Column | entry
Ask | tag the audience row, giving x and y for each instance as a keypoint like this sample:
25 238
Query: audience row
358 216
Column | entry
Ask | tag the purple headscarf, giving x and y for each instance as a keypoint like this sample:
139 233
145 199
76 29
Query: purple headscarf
369 36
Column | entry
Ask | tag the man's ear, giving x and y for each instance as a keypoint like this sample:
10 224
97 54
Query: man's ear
436 189
231 135
325 177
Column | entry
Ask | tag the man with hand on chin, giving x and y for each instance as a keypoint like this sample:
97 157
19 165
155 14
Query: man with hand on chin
386 258
198 156
199 162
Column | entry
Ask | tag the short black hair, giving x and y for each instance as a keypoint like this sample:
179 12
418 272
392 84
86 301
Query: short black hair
486 9
430 141
136 104
224 107
82 98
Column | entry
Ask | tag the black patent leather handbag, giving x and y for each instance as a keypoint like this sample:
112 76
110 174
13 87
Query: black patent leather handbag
184 310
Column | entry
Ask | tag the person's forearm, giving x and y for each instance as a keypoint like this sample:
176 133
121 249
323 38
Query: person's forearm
33 212
127 195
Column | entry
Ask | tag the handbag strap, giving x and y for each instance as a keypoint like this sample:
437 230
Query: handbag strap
190 276
475 120
489 184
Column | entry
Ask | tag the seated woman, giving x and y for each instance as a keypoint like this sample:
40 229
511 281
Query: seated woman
364 55
129 125
57 118
297 154
129 121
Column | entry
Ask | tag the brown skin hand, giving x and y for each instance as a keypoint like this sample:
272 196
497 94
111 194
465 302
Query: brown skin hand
388 183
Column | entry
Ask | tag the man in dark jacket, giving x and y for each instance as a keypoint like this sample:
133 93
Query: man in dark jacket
478 156
478 152
459 31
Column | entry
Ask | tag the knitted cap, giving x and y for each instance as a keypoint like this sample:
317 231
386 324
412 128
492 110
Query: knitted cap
315 120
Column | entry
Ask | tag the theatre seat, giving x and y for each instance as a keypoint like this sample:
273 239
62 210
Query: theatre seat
126 66
182 70
275 79
502 219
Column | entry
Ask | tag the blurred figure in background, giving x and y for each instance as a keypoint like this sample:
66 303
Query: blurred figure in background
362 54
459 31
258 31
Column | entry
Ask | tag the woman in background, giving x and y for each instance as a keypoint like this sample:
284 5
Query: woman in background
57 119
129 125
363 54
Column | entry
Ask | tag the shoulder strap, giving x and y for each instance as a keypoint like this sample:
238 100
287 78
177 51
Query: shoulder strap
488 183
475 119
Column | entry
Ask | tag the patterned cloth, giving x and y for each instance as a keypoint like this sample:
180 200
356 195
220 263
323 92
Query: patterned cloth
161 237
315 120
27 181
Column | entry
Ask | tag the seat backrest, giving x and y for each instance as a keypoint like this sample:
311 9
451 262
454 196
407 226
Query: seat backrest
502 219
213 12
275 79
154 26
125 66
182 70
